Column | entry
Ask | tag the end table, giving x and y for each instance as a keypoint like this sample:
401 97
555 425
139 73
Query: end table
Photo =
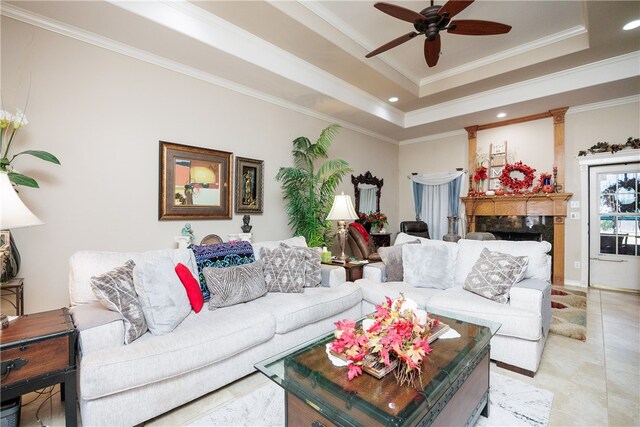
353 270
39 350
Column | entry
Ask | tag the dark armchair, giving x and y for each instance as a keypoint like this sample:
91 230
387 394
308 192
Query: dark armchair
415 228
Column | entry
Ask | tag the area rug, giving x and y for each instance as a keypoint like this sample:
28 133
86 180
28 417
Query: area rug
512 403
569 312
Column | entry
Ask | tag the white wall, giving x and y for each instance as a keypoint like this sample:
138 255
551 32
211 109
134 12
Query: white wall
103 114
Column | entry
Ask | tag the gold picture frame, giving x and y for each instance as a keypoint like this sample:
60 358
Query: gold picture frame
249 185
194 183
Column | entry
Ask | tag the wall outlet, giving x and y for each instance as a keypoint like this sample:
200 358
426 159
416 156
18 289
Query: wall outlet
575 204
574 215
576 264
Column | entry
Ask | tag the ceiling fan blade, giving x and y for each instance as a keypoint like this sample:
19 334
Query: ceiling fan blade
432 51
392 43
399 12
472 27
454 7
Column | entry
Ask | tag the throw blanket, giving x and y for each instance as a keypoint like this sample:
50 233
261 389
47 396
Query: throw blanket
360 228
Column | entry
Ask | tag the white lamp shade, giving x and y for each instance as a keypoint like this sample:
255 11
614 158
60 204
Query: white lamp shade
13 213
342 209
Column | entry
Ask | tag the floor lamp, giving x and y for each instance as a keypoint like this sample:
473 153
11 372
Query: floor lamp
13 214
342 211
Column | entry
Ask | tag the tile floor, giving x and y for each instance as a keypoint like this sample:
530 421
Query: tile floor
596 383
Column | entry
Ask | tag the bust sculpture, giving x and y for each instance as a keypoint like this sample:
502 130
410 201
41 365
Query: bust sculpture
246 228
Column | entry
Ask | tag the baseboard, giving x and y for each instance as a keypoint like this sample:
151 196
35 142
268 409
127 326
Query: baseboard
515 369
575 283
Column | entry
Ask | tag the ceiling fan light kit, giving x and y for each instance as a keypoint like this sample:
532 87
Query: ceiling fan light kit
433 19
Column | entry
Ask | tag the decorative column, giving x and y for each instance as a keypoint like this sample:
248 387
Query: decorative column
558 144
473 146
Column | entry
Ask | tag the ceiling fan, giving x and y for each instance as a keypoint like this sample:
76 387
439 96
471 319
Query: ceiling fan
431 21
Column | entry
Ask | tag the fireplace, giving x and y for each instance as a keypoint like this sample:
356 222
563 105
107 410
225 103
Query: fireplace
523 217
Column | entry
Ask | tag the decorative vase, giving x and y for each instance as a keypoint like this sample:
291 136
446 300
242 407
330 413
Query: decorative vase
546 181
451 235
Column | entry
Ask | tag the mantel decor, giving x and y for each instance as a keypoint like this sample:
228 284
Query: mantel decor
515 184
195 183
249 185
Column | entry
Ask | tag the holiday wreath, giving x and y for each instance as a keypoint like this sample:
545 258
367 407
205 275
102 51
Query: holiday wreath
514 183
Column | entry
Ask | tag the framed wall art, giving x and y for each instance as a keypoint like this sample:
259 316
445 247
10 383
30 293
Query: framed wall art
195 183
249 186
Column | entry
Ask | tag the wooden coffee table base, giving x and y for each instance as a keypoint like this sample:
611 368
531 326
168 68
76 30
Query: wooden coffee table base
462 404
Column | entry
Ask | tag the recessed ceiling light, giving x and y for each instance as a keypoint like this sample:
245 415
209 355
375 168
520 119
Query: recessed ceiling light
393 99
631 25
501 115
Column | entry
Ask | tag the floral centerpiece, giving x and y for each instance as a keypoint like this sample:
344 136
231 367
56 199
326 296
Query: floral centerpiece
480 176
9 126
375 220
395 336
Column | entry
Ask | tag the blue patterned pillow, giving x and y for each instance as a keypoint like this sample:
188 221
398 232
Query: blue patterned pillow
220 255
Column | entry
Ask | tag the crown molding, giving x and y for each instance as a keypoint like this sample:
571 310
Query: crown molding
605 71
604 104
66 30
434 137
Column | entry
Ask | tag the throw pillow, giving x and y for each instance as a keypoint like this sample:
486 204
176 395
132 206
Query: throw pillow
283 269
220 255
392 258
161 295
233 285
116 292
297 241
191 285
312 269
494 273
430 264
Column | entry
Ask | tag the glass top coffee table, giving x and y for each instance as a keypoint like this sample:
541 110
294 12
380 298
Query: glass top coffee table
455 383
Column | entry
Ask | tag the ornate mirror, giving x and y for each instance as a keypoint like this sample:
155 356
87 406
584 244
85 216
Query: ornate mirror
367 192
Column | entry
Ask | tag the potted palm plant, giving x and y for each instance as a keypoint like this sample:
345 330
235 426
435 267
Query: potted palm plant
310 185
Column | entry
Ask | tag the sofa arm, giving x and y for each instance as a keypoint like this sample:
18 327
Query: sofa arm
332 275
533 295
375 271
99 328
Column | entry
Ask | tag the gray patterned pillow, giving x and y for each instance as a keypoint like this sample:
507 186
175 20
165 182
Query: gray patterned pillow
312 269
233 285
392 258
284 269
494 273
116 292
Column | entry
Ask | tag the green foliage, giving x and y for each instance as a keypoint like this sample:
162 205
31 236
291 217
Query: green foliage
309 192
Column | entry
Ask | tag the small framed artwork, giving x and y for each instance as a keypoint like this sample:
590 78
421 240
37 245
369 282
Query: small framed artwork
195 183
249 185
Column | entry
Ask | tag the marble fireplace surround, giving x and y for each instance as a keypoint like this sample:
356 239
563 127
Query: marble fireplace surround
527 205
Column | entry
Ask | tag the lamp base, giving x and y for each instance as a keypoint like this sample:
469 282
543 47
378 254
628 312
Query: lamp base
342 239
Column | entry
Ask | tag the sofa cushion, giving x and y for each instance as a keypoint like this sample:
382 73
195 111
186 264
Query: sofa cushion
191 286
200 340
392 258
115 290
293 311
517 323
220 255
161 294
375 292
283 269
84 264
494 273
430 264
233 285
539 266
404 238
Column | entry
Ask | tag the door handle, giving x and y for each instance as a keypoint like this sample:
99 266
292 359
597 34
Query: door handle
607 260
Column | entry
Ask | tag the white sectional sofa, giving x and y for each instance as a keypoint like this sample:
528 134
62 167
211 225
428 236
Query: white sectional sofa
121 385
525 319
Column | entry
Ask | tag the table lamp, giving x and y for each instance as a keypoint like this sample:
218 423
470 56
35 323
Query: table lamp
342 211
13 214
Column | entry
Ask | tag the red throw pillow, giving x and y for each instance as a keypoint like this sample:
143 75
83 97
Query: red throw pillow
360 228
192 287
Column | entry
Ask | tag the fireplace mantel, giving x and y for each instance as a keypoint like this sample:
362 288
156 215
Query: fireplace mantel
553 204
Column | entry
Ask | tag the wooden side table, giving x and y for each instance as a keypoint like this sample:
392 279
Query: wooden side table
39 350
15 288
354 271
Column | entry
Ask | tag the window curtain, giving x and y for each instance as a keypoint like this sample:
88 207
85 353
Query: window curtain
367 202
436 196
